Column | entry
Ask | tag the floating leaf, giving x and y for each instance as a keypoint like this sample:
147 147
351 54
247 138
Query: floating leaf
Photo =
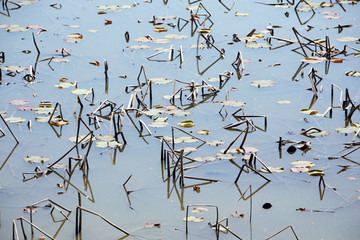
263 83
179 113
34 26
158 124
283 102
204 30
193 219
313 60
215 143
42 119
187 149
203 132
18 102
232 103
237 14
104 138
310 112
3 113
16 69
237 215
153 112
252 44
15 119
314 133
272 169
61 60
43 110
302 164
139 46
231 150
353 73
199 209
204 159
152 225
223 156
25 108
186 123
160 29
160 81
59 122
62 85
36 159
347 130
352 178
73 139
249 150
170 107
348 39
16 28
299 169
316 172
82 91
170 96
105 144
175 36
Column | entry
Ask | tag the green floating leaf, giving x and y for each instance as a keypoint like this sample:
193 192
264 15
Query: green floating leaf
73 139
348 39
16 28
237 14
193 219
160 81
44 110
252 44
179 113
205 159
15 119
82 91
203 132
314 133
232 103
163 18
105 138
106 144
36 159
227 156
186 123
109 8
61 60
308 111
153 112
316 172
347 130
42 119
185 139
16 69
272 169
263 83
302 164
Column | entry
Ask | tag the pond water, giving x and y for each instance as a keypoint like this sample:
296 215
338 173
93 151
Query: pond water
315 207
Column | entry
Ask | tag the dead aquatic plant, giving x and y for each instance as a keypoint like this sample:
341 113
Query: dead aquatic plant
193 89
30 208
277 233
171 55
8 127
